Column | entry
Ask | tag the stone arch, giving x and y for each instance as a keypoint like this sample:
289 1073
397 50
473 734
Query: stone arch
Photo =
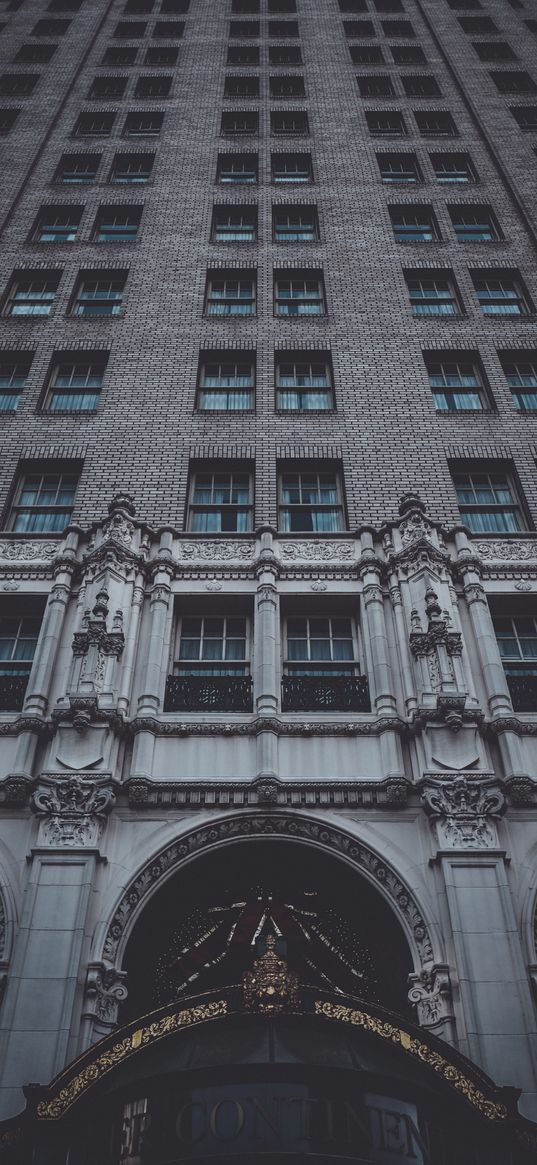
282 826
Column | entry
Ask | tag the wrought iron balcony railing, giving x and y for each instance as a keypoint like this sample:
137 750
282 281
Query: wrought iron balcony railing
12 690
208 694
325 694
523 691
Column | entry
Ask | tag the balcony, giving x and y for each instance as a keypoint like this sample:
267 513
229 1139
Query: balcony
523 691
325 694
208 694
12 690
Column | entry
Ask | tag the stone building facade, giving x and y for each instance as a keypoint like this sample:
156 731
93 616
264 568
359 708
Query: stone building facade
268 559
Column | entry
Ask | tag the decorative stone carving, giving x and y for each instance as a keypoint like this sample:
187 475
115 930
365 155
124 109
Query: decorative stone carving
29 551
16 791
119 526
72 811
322 551
11 585
213 585
3 928
217 551
523 584
106 988
277 825
430 993
318 585
507 551
270 987
95 630
451 711
438 644
464 810
522 792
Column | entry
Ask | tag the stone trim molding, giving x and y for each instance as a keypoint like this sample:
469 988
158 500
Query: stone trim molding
277 825
267 792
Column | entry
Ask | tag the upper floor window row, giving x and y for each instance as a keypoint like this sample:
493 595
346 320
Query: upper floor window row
404 169
83 169
34 293
161 30
100 124
243 169
498 292
233 293
391 123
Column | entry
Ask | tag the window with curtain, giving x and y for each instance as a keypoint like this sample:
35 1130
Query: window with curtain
295 224
303 384
501 293
226 295
43 502
310 502
456 383
488 502
517 643
226 384
19 633
234 224
320 647
299 295
32 295
221 503
520 370
432 293
212 647
14 371
75 384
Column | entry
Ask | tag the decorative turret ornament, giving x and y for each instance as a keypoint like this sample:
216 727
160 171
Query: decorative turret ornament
270 987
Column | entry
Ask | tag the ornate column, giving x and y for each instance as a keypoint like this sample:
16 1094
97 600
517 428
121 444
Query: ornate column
497 1022
376 636
106 988
494 679
430 992
154 647
266 648
40 680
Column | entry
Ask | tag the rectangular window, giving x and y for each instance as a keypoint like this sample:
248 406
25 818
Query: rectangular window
286 86
237 169
161 55
50 28
14 372
289 123
107 88
99 293
240 88
18 84
75 382
132 168
353 6
94 125
494 50
501 293
245 7
435 123
239 123
285 6
399 169
43 502
295 224
457 381
230 294
153 87
143 125
298 293
32 293
138 7
117 224
520 370
238 54
375 85
407 54
414 224
304 381
19 634
525 117
389 6
120 55
76 169
241 29
35 54
421 85
283 29
513 82
226 381
130 29
385 123
8 118
174 7
57 224
474 224
452 169
478 25
488 502
234 224
396 28
284 55
221 503
290 168
366 54
311 502
212 647
433 293
358 29
320 647
517 643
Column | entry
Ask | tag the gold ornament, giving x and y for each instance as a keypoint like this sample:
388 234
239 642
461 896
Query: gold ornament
270 987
